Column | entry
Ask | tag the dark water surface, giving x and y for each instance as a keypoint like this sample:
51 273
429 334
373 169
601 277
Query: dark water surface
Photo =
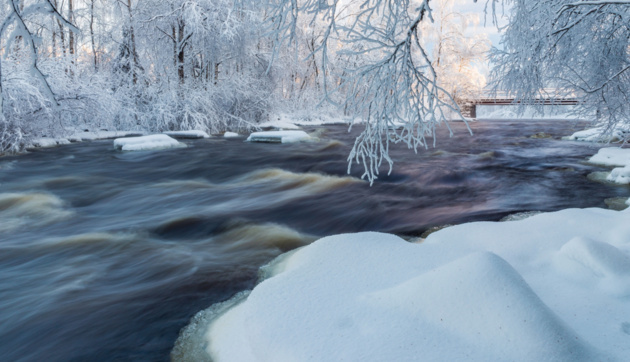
106 255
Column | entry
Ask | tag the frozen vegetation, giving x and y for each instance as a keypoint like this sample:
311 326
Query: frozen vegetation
550 287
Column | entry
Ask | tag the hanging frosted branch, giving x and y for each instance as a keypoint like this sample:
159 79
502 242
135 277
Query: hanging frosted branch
388 79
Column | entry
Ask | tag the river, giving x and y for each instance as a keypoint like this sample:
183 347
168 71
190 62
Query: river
106 255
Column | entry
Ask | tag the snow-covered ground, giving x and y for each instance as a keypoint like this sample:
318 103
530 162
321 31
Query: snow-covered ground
512 112
552 287
279 137
145 143
231 135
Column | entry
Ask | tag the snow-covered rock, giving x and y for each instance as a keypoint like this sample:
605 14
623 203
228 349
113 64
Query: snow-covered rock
620 175
231 135
551 287
611 156
187 134
279 136
598 134
152 142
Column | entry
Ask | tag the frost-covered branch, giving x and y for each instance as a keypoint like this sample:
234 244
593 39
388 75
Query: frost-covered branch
386 76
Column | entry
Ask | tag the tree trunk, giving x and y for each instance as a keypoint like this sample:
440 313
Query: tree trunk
181 26
71 42
92 34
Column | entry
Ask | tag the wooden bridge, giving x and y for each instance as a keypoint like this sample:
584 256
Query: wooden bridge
469 107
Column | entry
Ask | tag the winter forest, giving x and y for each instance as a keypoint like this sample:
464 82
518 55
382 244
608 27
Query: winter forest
220 65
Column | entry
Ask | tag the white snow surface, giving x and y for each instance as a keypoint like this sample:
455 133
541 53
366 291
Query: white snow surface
611 156
279 136
552 287
144 143
511 112
187 134
231 135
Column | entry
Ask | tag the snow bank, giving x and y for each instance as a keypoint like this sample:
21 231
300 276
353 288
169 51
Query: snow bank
598 134
46 142
187 134
293 121
279 136
511 112
554 286
231 135
153 142
611 156
102 135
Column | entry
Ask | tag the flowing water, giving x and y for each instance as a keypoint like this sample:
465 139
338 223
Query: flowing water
106 255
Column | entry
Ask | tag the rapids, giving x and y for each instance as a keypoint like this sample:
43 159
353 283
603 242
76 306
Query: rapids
106 255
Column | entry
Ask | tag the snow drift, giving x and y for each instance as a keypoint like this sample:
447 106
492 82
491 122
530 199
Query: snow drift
553 286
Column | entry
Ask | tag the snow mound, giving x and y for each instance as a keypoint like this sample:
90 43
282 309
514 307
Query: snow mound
279 137
550 287
603 260
143 143
187 134
611 156
231 135
620 175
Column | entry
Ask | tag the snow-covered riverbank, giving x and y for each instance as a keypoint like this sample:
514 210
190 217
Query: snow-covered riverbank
554 286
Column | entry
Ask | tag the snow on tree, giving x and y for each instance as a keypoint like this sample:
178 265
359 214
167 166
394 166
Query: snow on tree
578 48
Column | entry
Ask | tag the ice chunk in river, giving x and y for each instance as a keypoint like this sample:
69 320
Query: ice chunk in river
152 142
187 134
611 156
279 136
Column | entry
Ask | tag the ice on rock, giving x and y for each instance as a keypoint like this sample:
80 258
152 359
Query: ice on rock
231 135
187 134
279 136
611 156
620 175
144 143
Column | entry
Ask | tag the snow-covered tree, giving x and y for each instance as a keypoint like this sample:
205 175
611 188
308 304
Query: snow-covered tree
578 48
